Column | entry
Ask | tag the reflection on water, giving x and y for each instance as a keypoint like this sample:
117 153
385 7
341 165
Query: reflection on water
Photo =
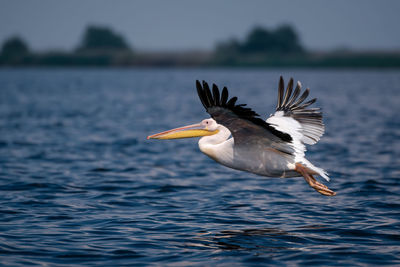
81 185
255 239
259 240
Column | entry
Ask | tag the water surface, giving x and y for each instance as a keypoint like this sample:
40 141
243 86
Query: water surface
81 185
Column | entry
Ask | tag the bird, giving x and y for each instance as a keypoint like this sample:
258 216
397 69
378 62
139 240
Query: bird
237 137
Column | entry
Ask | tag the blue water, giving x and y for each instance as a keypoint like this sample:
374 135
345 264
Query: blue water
81 185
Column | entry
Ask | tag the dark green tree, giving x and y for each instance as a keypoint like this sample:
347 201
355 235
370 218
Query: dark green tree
283 40
286 40
14 49
259 40
102 39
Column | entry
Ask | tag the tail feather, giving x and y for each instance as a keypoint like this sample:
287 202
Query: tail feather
321 172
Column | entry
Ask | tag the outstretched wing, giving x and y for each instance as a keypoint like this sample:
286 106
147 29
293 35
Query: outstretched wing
292 116
246 127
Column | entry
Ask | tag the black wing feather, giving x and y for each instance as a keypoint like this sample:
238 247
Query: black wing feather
302 97
280 92
231 102
208 94
295 94
200 92
216 95
224 96
288 92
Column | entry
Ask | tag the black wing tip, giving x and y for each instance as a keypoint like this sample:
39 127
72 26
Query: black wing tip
215 98
289 102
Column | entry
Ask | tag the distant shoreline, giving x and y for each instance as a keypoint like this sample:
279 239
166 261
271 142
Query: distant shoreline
262 47
206 59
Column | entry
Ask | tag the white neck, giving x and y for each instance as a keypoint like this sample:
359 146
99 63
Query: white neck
218 146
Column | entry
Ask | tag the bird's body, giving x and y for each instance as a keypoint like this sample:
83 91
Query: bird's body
269 164
238 138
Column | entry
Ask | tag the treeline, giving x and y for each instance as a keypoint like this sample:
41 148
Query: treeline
280 47
100 46
281 41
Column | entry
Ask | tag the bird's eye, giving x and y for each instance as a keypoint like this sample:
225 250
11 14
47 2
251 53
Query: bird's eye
206 122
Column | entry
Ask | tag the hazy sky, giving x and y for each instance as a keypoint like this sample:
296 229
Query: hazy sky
186 24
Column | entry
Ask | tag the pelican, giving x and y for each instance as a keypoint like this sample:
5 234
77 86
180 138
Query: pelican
237 137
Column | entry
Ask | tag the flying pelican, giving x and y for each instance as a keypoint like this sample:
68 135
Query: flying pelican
235 136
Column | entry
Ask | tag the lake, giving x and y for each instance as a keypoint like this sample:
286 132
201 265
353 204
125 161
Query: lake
81 185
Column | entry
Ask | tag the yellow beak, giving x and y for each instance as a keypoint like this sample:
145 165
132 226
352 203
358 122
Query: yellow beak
194 130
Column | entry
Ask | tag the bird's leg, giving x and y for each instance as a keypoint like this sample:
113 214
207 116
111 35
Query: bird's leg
320 188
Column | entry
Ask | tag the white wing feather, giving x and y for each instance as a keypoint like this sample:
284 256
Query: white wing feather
303 124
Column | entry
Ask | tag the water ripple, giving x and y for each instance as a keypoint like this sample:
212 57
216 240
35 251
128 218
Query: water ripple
81 185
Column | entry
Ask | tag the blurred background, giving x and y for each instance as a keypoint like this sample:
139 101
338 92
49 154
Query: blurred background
207 33
84 82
